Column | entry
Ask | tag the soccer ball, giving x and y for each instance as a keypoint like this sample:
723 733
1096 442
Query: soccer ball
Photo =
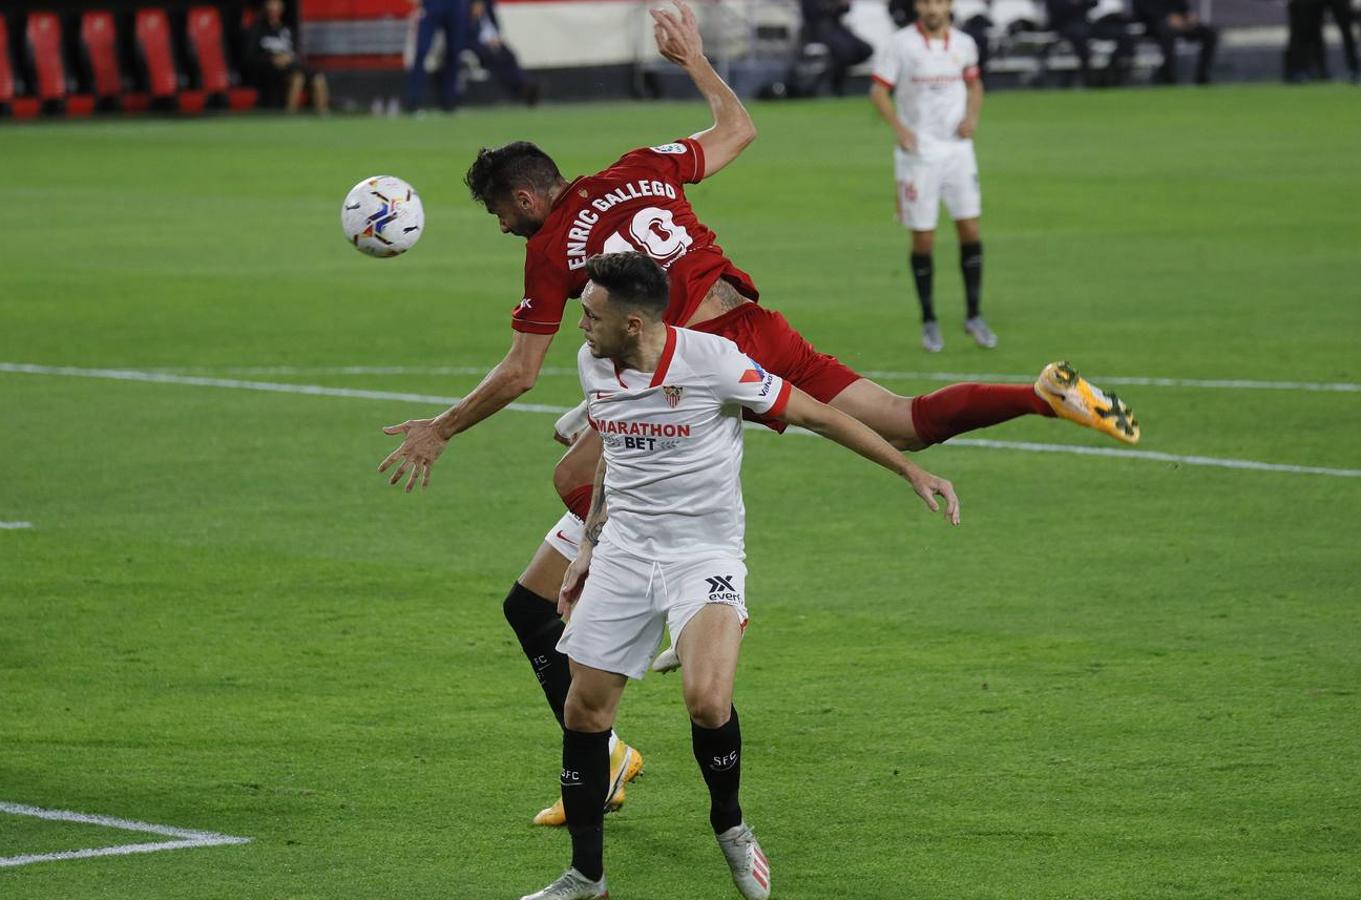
382 216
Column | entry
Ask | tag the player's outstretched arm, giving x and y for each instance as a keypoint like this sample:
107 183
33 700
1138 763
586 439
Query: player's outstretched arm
425 439
805 412
733 130
575 576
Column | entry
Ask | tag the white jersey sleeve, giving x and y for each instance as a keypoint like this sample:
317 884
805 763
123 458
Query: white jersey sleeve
888 64
970 61
737 378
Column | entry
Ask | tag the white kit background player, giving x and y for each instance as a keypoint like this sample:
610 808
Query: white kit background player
926 86
663 546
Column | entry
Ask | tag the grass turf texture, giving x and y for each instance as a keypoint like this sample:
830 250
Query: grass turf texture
1118 678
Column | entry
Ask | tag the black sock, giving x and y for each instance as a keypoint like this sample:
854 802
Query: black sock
719 754
585 781
923 271
536 623
971 264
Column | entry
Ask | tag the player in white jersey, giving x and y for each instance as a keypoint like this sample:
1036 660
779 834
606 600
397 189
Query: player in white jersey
926 86
664 546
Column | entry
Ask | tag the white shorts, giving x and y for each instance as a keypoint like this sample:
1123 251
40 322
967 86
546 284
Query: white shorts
924 183
565 535
626 601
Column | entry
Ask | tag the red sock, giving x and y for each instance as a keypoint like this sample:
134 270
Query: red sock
953 410
578 500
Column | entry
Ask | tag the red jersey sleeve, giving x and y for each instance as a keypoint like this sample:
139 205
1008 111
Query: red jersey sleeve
546 293
682 160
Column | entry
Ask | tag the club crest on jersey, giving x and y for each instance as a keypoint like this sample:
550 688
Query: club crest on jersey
754 374
672 394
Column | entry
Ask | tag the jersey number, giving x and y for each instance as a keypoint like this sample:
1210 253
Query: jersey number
653 231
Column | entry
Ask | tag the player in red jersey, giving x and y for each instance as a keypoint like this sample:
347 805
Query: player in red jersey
638 203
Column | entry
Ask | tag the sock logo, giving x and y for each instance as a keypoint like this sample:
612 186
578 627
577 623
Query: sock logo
570 778
723 763
540 664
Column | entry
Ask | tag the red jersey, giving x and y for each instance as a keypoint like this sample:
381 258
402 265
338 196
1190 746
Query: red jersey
639 204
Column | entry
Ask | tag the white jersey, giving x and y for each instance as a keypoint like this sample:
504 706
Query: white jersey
673 444
927 76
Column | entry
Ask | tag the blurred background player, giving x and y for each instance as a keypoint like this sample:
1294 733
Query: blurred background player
274 66
453 18
664 546
926 86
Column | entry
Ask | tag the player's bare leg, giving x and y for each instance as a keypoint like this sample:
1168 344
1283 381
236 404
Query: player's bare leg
709 647
534 617
294 98
923 275
971 267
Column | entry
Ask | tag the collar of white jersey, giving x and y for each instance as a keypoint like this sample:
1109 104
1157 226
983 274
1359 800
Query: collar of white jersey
663 363
926 38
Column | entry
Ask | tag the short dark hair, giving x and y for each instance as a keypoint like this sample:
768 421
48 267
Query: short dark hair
498 171
632 278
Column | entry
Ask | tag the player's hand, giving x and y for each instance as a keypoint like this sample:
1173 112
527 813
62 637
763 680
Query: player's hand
929 487
966 128
678 34
421 447
573 580
906 139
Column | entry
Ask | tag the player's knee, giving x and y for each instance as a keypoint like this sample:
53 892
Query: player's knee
709 705
568 475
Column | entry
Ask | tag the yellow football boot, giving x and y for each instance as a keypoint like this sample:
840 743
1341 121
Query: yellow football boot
626 764
1078 400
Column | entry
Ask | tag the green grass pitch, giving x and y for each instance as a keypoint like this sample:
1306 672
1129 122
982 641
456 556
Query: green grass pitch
1121 677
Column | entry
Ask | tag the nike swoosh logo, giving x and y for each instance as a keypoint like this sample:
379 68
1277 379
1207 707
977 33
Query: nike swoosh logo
565 538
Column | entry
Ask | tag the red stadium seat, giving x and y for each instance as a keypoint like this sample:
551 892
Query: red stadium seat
204 30
152 30
99 39
43 35
6 71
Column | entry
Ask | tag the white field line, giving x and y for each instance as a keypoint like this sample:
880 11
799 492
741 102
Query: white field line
14 526
318 390
185 838
1240 384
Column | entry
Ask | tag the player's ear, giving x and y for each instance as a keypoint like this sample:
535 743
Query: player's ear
524 198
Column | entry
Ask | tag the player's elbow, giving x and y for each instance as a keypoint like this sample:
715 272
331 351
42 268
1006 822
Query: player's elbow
746 133
520 379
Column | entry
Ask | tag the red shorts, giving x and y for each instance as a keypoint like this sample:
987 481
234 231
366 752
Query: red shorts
766 336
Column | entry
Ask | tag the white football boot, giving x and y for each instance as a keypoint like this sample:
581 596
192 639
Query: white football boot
667 661
750 870
571 886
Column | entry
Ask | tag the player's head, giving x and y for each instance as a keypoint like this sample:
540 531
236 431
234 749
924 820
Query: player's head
627 294
934 14
517 183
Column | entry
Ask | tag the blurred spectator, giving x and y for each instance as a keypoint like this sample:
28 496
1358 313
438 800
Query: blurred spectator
822 25
1168 20
904 13
1068 18
274 66
1346 24
453 18
495 56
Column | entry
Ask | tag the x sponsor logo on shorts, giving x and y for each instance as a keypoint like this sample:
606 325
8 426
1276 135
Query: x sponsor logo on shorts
722 590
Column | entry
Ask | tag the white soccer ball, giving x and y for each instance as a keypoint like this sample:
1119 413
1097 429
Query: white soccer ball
382 216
